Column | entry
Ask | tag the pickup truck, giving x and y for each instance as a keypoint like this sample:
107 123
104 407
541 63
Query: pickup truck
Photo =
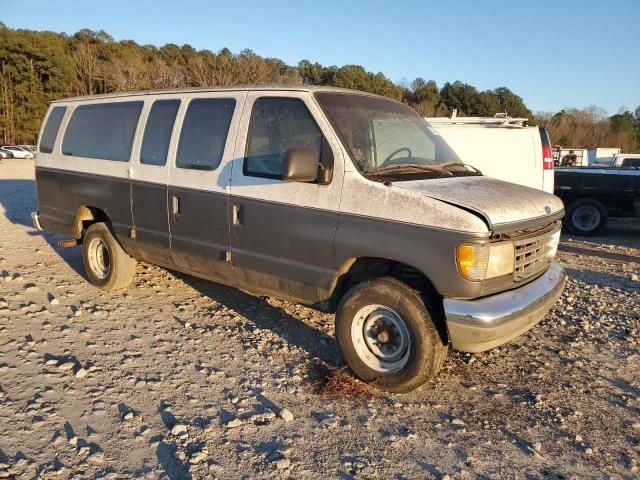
592 194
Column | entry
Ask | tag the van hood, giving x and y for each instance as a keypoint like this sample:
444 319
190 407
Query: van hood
503 206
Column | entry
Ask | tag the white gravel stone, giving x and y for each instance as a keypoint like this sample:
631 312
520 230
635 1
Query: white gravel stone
236 422
286 415
282 463
198 457
178 429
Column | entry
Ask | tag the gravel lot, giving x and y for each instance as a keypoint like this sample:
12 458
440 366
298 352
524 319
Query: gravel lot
181 378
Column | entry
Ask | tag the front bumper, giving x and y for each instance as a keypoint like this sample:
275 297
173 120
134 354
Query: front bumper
478 325
35 219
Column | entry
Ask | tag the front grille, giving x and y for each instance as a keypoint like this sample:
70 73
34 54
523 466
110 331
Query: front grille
532 255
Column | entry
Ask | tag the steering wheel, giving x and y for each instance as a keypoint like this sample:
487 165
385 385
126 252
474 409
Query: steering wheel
394 153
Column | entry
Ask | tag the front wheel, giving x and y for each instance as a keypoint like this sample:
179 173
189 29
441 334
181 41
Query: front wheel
107 265
387 335
586 216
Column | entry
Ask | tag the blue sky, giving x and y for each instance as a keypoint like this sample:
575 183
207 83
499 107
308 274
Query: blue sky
555 54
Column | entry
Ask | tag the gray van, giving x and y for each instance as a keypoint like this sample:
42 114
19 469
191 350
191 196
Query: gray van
337 199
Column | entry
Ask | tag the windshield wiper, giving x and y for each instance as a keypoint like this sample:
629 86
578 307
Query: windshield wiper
455 163
404 167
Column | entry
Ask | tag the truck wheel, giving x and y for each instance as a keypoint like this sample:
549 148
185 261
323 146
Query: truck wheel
107 265
586 216
387 335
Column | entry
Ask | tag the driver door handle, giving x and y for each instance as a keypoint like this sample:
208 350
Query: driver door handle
236 214
175 204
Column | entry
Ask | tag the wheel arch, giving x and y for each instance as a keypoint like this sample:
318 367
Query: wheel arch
356 270
87 215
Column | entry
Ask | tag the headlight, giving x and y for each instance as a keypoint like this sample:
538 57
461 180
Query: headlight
477 262
552 245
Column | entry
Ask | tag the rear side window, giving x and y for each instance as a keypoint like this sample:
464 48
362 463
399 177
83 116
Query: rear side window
157 133
631 162
278 124
104 131
51 128
204 133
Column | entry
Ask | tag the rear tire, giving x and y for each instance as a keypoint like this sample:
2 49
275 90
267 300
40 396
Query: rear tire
586 217
107 265
387 335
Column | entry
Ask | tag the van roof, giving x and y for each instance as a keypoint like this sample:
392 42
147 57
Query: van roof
229 88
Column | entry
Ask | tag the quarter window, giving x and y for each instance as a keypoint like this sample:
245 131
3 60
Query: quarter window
104 131
631 162
51 128
204 133
278 124
157 133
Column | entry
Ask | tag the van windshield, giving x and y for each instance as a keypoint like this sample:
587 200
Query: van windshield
388 139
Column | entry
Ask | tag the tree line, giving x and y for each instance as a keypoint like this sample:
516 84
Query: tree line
38 67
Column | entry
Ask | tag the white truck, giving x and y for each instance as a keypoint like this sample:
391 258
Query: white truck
501 147
602 156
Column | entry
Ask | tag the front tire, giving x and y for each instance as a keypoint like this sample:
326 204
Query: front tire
107 265
586 217
387 335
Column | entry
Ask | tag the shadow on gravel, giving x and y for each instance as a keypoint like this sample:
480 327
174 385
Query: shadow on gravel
621 232
12 195
603 279
174 468
617 257
266 316
166 452
14 207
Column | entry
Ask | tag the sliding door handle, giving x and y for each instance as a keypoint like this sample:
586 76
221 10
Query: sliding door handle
175 204
236 214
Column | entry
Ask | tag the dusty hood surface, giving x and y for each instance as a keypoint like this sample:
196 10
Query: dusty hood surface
499 203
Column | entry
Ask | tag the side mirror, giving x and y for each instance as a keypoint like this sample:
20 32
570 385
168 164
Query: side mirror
300 165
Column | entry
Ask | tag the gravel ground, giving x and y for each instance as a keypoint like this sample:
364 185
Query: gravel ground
181 378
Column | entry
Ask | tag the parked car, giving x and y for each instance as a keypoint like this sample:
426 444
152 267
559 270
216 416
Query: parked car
31 148
18 152
501 147
337 199
5 154
593 194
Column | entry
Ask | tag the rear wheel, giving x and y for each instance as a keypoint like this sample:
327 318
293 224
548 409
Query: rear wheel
107 265
586 216
387 335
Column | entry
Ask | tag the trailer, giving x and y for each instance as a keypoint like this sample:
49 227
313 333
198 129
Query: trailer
570 157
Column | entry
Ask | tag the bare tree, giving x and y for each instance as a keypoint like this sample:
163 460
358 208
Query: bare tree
8 107
87 68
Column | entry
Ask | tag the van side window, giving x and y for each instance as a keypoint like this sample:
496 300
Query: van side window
51 128
278 124
103 130
157 132
204 133
631 162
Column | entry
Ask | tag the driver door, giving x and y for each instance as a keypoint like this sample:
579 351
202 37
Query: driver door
282 232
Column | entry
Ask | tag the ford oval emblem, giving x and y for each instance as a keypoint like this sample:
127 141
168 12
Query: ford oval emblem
547 208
